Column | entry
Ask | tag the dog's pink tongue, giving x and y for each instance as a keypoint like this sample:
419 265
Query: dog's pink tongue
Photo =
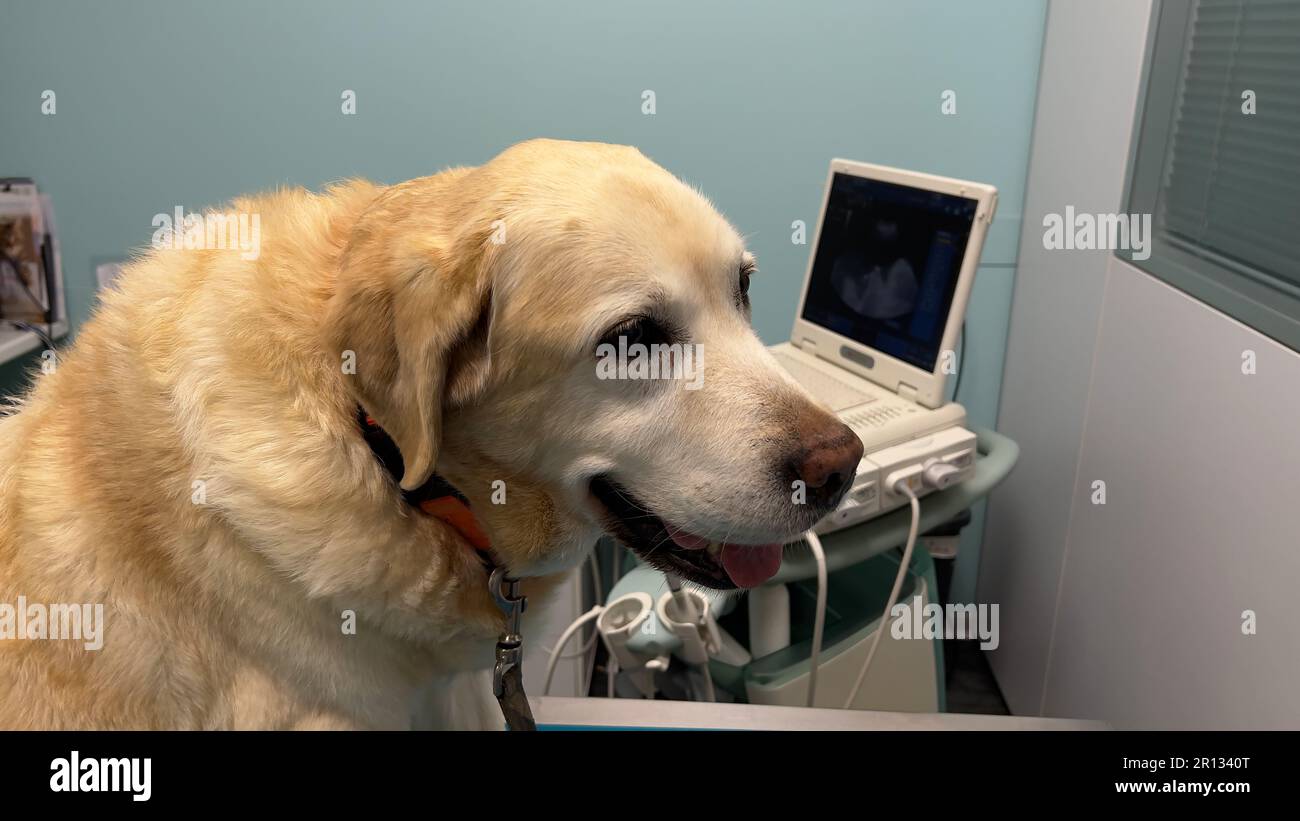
751 565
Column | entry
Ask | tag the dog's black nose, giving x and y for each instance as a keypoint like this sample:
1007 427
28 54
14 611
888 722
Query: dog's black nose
827 466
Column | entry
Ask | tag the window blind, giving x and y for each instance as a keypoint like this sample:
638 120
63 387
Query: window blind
1231 183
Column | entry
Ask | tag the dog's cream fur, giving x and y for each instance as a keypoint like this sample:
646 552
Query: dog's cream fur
194 462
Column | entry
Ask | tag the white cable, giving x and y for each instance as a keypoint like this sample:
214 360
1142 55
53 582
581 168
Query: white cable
819 621
586 647
581 651
564 639
598 588
898 487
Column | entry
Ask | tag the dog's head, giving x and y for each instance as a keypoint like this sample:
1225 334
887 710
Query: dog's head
505 322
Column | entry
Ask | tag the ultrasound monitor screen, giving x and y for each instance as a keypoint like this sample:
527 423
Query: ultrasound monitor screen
886 266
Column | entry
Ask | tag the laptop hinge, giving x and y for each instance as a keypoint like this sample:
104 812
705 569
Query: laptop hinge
907 391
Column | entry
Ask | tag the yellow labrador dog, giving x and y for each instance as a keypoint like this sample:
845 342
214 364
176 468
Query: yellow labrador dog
191 488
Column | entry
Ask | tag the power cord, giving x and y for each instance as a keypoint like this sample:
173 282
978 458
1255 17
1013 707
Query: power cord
819 620
899 485
582 651
598 588
586 651
568 633
936 475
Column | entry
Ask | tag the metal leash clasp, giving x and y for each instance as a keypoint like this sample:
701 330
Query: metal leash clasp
505 591
508 674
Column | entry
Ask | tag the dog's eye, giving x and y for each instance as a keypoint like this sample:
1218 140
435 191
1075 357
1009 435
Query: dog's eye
747 269
642 330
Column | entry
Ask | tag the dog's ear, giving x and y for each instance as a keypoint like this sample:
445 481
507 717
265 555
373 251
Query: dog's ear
411 312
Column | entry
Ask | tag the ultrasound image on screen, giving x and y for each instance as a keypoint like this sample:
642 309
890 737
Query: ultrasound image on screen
886 266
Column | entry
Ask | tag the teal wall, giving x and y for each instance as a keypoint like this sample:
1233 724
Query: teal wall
172 103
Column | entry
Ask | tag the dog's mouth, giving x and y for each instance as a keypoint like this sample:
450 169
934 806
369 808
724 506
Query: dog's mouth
720 565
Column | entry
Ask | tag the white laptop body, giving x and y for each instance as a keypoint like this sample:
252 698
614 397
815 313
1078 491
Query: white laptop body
884 297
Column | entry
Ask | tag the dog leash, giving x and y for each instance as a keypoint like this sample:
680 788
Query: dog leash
438 498
508 675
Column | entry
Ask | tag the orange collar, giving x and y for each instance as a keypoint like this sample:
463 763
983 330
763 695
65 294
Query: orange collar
454 510
436 497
